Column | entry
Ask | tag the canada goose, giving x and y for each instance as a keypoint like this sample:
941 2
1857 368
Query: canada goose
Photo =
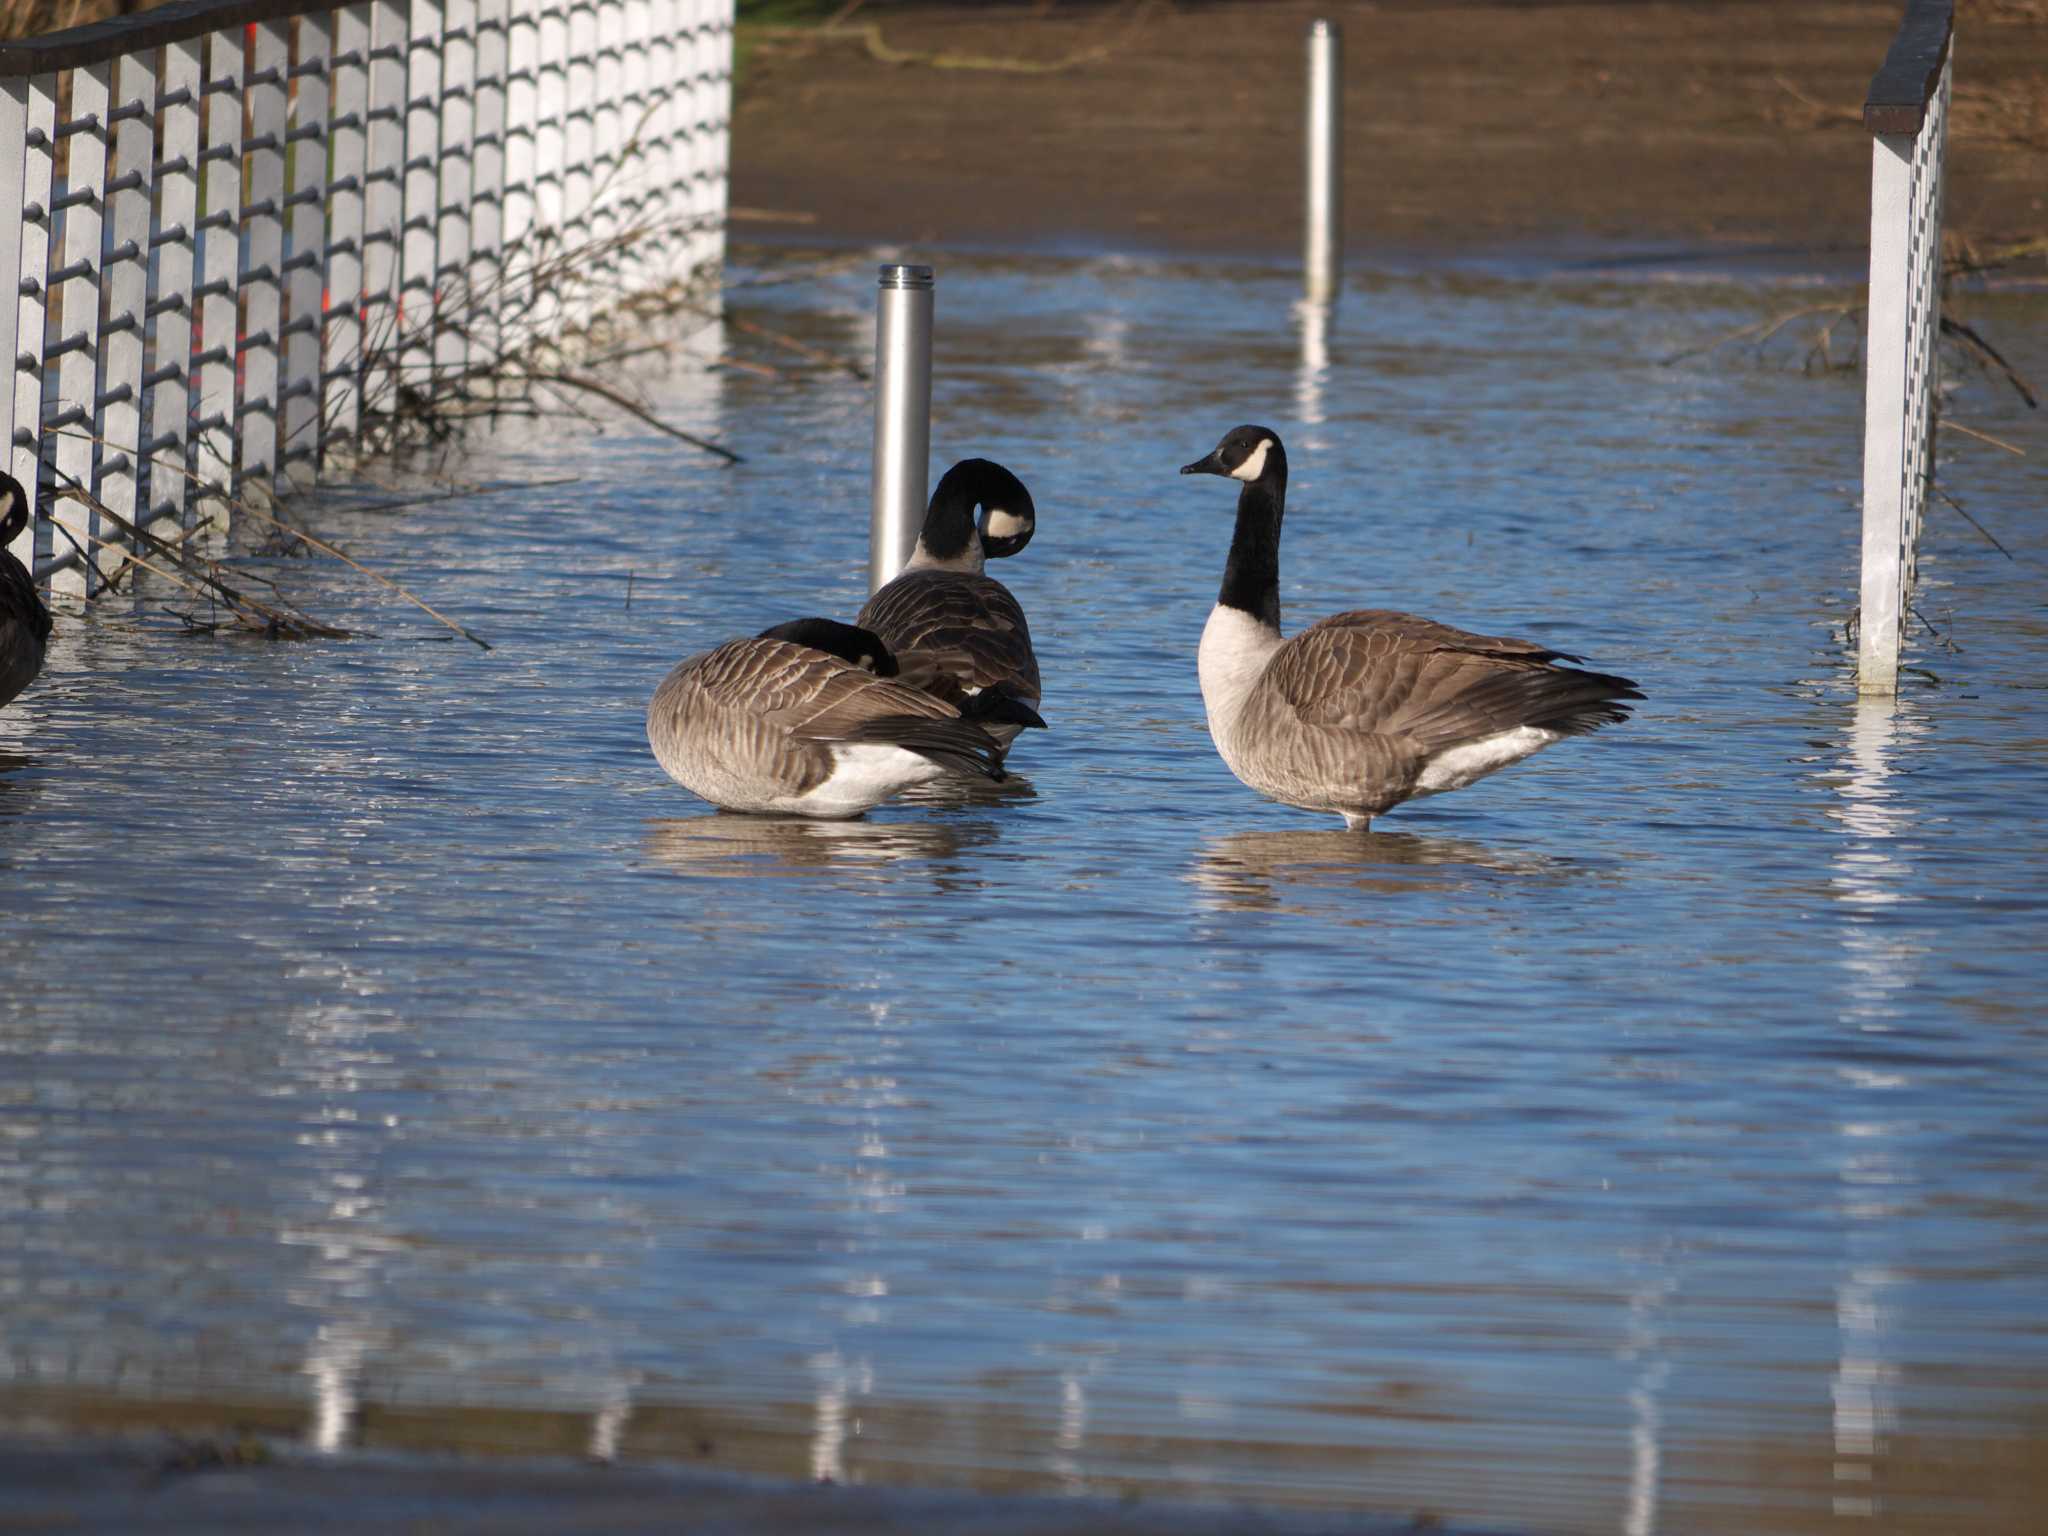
803 720
1364 710
24 621
956 632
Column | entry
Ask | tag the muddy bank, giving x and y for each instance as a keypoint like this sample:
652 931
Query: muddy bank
213 1487
1469 126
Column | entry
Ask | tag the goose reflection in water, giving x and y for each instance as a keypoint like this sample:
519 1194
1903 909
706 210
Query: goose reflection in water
1259 871
743 846
956 793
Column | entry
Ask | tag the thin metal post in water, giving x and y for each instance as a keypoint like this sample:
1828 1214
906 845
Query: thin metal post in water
903 417
1323 233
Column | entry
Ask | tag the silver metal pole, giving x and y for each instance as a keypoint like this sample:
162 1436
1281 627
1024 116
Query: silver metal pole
1323 236
903 417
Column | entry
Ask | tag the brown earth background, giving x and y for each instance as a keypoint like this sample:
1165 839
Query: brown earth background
1469 124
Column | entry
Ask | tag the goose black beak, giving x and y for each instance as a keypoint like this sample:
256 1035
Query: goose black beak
1209 465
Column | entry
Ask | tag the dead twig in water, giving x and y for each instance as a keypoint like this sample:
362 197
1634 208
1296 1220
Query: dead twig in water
1989 354
206 583
243 506
1983 437
385 581
1761 331
632 408
1988 534
791 344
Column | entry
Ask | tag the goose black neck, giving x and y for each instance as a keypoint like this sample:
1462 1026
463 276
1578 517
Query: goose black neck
949 518
1251 577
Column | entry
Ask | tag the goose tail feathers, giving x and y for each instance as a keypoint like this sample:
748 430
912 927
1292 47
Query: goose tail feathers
1577 702
995 706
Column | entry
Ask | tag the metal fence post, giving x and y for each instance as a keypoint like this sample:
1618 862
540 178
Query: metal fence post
266 93
124 288
75 289
1323 232
218 294
14 233
306 270
170 383
903 417
342 306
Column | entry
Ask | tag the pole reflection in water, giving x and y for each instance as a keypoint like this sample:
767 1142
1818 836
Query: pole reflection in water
1872 882
875 1194
1317 322
350 1237
608 1424
1645 1348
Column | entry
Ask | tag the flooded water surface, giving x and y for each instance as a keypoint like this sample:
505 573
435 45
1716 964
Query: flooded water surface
1649 1138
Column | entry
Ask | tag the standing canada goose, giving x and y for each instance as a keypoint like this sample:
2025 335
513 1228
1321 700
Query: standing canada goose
1367 709
24 621
957 633
803 720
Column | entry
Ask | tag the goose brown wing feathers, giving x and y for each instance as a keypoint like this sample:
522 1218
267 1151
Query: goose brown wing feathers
1386 673
806 692
952 632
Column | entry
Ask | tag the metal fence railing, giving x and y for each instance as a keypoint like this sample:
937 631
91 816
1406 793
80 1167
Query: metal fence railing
240 230
1907 114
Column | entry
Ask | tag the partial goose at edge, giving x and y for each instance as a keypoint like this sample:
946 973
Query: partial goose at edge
24 621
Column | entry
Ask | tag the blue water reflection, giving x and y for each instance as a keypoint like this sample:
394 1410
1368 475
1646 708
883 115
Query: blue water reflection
1646 1139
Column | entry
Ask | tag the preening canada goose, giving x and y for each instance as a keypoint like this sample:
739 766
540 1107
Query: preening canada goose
804 720
1365 710
958 633
24 621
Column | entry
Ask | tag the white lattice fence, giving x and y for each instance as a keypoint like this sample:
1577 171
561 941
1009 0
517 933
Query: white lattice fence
1907 113
239 229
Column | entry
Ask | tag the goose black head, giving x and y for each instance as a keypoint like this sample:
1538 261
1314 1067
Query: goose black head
1008 517
1246 453
13 509
862 647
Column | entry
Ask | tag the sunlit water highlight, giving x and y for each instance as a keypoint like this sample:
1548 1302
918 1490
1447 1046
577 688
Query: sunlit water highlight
1650 1138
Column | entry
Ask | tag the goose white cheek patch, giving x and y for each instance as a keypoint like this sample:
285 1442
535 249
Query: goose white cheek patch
1004 525
1254 466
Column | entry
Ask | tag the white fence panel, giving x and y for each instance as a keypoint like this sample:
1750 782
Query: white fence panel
256 221
1907 112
